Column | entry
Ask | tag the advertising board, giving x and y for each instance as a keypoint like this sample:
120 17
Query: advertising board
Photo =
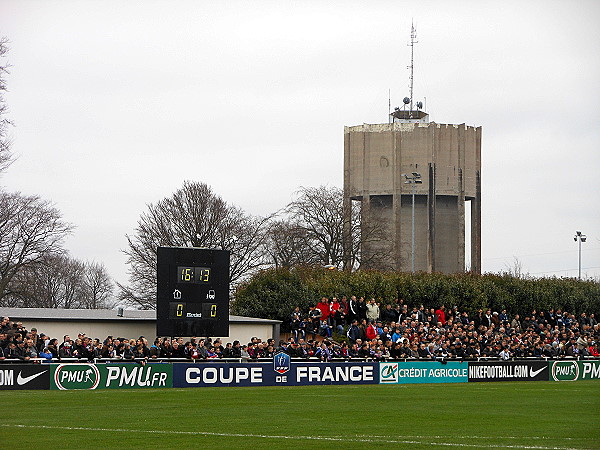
508 371
280 372
25 376
111 376
575 370
423 372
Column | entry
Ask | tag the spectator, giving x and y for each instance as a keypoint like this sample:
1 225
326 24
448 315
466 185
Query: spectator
141 351
441 315
154 350
353 332
371 331
372 310
337 317
362 308
30 350
496 320
516 324
389 315
353 310
166 351
505 354
323 307
324 328
295 321
345 307
127 350
236 350
228 351
51 349
65 350
486 320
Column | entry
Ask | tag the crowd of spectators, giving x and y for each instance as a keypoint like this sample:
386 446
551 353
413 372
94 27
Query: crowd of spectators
18 343
397 331
354 328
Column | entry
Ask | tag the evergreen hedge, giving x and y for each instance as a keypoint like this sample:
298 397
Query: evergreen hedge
273 293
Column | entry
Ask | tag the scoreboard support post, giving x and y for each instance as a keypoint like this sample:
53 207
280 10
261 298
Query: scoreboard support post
192 292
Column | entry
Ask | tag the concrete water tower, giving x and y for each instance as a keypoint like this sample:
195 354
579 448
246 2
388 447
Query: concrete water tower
413 179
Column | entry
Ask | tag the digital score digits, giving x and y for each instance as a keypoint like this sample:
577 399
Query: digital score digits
181 311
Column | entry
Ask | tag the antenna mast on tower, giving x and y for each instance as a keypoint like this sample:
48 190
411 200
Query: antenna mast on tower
413 41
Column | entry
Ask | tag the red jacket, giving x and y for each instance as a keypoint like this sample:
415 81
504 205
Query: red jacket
371 332
324 308
441 316
334 306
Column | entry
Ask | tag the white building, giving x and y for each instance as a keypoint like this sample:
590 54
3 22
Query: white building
100 323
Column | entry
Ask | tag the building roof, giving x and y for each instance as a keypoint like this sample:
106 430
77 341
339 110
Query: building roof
53 314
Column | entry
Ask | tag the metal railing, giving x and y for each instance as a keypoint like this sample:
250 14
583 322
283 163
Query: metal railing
270 359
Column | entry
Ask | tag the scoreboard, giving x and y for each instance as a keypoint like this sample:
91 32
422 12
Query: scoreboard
192 292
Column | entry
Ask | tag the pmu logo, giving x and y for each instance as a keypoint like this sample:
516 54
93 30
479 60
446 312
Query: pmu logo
281 362
565 371
135 376
76 376
388 373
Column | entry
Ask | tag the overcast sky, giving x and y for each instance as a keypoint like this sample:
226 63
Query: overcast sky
116 103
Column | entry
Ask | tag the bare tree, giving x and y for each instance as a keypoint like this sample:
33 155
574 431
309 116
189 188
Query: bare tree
5 153
515 269
52 282
287 244
192 217
30 230
98 286
58 281
318 215
72 274
38 285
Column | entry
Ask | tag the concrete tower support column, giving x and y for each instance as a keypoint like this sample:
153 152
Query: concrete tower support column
476 209
347 207
460 265
431 220
397 199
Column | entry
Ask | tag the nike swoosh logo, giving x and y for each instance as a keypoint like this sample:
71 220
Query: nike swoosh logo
23 380
533 373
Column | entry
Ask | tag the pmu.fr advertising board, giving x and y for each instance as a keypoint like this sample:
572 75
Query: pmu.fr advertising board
508 371
574 370
281 372
423 372
111 376
25 376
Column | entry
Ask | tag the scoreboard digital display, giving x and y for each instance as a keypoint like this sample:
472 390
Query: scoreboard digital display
192 294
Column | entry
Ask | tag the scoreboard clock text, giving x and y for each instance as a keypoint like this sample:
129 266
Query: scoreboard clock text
197 275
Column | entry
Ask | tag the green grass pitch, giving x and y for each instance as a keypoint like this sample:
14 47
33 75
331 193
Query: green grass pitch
517 415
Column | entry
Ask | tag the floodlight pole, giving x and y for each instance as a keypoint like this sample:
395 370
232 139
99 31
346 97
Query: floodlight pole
579 237
412 263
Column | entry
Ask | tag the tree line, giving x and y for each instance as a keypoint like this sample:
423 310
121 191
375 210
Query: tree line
274 293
